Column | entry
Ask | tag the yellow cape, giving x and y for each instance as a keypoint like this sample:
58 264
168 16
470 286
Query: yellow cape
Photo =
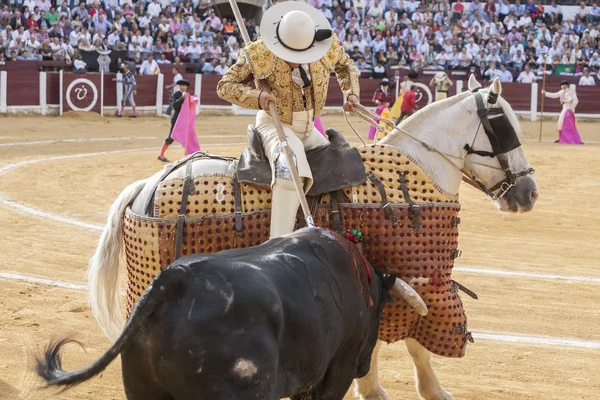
396 107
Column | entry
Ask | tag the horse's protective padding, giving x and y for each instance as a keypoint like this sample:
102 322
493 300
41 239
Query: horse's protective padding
423 258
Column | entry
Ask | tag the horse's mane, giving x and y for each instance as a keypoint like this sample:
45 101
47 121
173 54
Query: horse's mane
432 108
438 106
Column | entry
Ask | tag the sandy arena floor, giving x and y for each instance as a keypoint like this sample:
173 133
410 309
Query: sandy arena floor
536 331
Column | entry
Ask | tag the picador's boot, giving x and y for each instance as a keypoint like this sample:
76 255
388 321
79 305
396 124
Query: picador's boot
285 203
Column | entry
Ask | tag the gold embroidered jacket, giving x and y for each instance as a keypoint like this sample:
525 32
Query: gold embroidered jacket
258 62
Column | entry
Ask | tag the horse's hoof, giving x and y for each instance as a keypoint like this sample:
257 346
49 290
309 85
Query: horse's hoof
380 394
441 395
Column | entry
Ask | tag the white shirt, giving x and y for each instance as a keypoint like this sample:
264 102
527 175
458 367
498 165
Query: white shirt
587 81
525 77
154 9
221 70
505 76
79 64
148 68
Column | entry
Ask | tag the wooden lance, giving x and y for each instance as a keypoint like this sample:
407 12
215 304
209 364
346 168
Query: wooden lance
287 151
543 95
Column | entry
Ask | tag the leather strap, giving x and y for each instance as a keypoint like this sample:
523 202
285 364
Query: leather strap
387 208
335 212
237 196
457 286
188 186
415 210
199 154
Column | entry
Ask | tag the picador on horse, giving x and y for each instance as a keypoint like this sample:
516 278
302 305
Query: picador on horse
296 64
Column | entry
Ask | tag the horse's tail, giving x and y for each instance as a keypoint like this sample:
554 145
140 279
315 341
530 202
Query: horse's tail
103 269
170 283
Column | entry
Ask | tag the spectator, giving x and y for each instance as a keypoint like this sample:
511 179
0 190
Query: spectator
209 67
582 12
505 75
222 68
526 76
587 79
594 14
149 66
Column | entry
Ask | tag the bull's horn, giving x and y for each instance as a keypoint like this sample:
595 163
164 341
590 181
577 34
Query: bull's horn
402 290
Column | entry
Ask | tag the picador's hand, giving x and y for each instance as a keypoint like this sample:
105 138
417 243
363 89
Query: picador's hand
352 100
264 100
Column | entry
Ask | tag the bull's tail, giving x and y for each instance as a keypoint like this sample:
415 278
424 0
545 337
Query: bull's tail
103 269
171 281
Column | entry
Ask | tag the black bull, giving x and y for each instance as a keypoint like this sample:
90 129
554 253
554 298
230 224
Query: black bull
294 317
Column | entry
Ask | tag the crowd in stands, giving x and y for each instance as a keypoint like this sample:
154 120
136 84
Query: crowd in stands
496 38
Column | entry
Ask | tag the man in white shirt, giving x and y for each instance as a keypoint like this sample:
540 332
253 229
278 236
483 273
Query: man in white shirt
149 66
173 87
378 44
194 51
556 9
515 48
472 48
376 10
505 75
442 58
221 69
525 20
464 59
361 43
594 15
493 57
154 8
526 76
518 60
586 79
595 60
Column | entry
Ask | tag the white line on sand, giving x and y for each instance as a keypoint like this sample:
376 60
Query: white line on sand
510 338
82 224
521 274
103 139
111 139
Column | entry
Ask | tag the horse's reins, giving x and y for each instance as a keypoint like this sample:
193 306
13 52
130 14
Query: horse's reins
504 185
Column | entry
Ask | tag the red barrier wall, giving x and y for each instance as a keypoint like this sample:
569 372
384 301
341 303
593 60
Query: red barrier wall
23 90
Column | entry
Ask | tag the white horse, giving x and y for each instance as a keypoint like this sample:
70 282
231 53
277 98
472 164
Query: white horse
435 137
448 125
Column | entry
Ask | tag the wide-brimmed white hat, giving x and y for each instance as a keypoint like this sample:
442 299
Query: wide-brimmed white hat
296 32
440 76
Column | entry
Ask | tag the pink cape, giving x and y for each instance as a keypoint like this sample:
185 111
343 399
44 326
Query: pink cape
378 111
319 126
569 133
184 131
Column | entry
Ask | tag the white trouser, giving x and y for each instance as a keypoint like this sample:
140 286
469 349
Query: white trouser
301 135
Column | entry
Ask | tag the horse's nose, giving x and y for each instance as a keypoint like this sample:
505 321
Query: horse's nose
534 195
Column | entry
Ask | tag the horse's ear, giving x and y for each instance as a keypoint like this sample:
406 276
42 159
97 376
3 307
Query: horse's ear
496 87
473 84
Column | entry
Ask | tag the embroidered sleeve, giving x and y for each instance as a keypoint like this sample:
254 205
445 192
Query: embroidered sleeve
344 70
554 95
232 87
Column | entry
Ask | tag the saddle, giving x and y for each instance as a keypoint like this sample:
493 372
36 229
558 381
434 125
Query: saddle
333 166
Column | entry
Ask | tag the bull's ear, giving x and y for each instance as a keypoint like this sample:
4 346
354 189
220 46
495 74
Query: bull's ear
473 84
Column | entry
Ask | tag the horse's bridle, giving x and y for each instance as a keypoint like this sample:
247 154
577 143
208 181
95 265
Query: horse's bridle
502 142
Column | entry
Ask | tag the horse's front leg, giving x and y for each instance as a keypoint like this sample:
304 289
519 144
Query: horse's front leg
367 387
427 384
